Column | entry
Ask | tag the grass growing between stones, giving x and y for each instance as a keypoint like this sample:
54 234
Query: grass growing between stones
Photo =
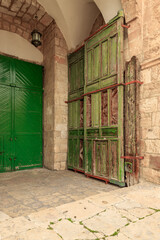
49 227
69 219
155 209
115 233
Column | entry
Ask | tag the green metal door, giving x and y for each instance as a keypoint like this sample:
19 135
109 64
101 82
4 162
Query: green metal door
20 115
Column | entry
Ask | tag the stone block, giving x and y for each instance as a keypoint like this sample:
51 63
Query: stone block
19 31
32 10
16 5
145 162
27 17
152 146
150 133
6 26
146 75
13 28
149 105
6 3
6 11
46 20
40 13
26 5
156 119
8 18
152 176
17 20
155 162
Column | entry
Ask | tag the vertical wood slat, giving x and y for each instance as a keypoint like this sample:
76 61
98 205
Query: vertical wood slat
131 121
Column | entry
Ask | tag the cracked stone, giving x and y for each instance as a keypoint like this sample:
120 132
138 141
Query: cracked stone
141 212
146 229
72 231
120 236
79 210
107 222
44 217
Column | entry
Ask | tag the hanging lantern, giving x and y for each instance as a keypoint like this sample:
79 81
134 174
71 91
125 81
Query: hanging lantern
36 36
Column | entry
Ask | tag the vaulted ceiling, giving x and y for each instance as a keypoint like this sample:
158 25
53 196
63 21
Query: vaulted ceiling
76 17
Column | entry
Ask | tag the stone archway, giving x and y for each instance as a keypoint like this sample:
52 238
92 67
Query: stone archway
18 17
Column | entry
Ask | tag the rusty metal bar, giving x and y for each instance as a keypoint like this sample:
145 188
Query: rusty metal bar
125 26
75 99
102 89
100 178
132 157
78 170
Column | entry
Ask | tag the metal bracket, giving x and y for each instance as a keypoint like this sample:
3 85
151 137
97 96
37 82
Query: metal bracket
125 26
129 167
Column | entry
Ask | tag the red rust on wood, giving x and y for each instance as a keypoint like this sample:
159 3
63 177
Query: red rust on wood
78 170
97 177
104 26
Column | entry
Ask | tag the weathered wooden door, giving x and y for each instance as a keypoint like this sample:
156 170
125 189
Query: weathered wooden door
75 111
96 133
103 103
20 115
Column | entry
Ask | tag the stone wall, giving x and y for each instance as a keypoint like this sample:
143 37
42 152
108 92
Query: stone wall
142 40
55 121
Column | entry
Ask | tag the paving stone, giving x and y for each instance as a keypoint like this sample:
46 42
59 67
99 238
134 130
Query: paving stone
3 216
146 229
45 217
127 204
141 212
107 222
103 199
33 190
72 231
14 226
146 198
36 234
79 210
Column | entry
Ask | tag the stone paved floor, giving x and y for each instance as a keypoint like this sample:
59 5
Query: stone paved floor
28 191
102 212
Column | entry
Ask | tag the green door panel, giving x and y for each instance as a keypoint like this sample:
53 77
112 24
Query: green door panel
96 62
89 156
70 153
20 114
89 63
113 54
105 58
95 109
5 70
28 151
28 74
5 128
